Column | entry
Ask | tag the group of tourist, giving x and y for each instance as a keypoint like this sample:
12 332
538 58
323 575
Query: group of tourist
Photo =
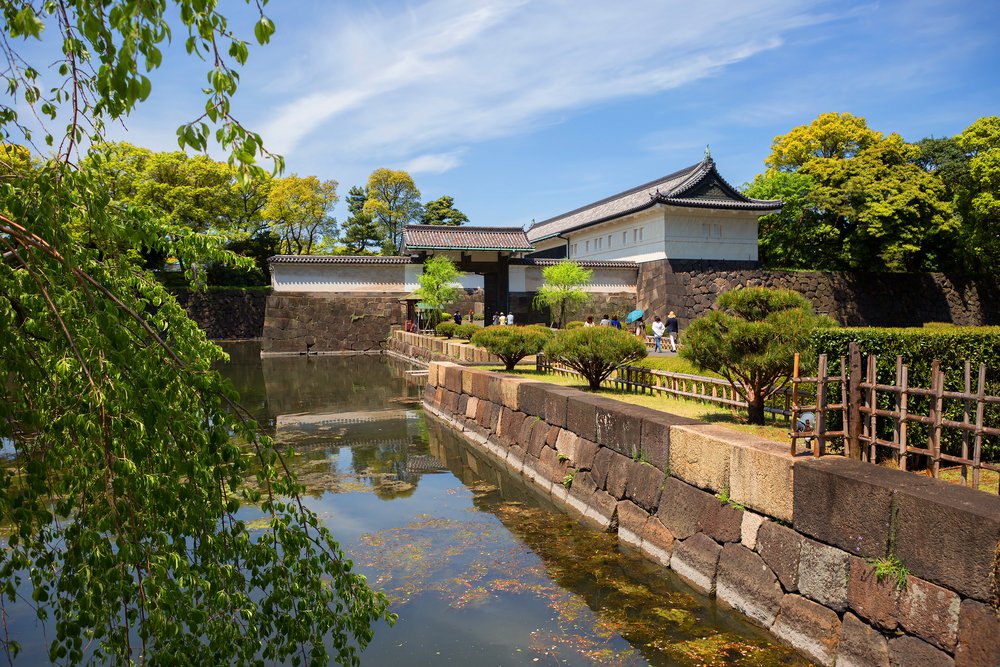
500 318
669 328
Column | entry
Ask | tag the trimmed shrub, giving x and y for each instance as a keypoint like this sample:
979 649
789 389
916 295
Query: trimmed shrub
466 331
574 325
595 352
512 343
446 329
751 339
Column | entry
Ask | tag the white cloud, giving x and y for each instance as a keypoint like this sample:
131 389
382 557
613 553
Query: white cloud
433 163
415 85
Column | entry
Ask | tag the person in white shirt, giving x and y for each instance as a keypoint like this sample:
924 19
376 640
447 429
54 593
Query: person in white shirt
510 319
590 321
658 329
605 321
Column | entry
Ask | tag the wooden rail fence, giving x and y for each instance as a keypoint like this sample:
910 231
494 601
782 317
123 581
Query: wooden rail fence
900 421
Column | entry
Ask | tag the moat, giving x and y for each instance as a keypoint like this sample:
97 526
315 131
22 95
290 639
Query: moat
479 567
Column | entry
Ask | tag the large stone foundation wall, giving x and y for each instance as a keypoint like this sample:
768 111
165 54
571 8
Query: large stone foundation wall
226 315
790 546
690 287
323 322
429 348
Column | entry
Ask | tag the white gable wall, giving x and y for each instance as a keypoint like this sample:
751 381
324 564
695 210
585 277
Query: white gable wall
638 237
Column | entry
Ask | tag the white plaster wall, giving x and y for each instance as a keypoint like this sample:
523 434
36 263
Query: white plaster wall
548 244
704 234
601 281
389 278
518 278
619 239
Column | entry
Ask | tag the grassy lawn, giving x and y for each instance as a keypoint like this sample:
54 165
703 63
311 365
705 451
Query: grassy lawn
674 365
775 429
988 479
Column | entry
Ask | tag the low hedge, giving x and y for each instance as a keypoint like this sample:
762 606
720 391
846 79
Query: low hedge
465 331
574 325
446 329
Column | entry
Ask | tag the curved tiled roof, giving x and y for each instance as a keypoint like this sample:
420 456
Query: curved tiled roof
699 185
339 259
585 263
444 237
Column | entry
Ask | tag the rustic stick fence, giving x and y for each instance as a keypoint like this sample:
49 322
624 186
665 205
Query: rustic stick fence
683 385
897 423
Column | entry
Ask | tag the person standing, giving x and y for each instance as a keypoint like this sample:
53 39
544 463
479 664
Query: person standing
510 318
615 322
503 320
589 322
658 330
496 319
605 321
672 330
457 317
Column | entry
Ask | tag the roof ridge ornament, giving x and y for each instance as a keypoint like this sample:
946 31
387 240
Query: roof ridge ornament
708 154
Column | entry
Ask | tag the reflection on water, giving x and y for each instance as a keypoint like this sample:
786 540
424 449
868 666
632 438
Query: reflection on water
480 569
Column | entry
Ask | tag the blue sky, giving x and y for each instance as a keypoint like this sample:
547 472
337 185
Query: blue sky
525 109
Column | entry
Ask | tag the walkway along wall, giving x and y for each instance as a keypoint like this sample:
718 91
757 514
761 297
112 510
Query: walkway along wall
790 546
690 287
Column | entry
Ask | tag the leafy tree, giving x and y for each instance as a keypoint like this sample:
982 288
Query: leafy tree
563 290
979 201
442 211
871 207
595 352
795 236
393 201
298 212
437 284
751 338
122 494
361 233
512 344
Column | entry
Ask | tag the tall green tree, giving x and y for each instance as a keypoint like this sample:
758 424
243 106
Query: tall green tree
442 211
122 492
361 233
978 202
871 207
751 338
298 212
393 202
438 286
563 290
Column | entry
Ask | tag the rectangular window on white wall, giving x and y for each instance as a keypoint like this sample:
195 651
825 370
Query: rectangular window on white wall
597 243
718 230
706 230
635 235
587 247
624 238
575 251
609 240
640 233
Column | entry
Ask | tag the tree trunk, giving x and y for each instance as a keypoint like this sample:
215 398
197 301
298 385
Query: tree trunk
755 408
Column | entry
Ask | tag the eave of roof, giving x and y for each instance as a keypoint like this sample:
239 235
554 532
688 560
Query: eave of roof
585 263
437 237
339 259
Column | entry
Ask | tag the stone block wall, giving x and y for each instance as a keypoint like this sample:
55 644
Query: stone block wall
791 547
690 287
322 322
429 348
226 315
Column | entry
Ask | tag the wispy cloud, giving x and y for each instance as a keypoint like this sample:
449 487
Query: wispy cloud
414 86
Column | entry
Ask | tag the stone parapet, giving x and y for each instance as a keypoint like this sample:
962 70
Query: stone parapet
788 542
422 347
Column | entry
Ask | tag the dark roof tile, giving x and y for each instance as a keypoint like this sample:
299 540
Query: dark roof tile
442 237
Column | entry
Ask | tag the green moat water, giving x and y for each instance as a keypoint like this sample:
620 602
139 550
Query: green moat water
479 567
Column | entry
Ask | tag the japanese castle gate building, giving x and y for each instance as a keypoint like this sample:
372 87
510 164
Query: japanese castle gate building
330 303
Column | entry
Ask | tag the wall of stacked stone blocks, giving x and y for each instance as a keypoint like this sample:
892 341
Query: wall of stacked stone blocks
791 547
428 348
228 314
690 287
322 322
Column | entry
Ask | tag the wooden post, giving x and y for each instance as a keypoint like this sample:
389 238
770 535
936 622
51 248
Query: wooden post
819 444
854 404
897 401
795 401
934 439
872 379
977 444
966 413
904 395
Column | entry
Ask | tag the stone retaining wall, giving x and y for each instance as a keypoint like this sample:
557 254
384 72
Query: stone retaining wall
226 315
690 287
324 322
790 546
428 348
